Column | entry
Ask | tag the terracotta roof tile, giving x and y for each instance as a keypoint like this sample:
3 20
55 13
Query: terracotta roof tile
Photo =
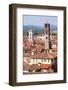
54 49
42 66
43 56
27 54
51 56
45 66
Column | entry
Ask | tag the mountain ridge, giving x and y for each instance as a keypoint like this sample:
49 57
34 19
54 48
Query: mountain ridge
38 28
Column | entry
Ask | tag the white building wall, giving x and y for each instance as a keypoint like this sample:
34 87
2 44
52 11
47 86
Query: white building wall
42 61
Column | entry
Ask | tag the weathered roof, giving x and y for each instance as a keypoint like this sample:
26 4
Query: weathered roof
42 66
43 56
27 54
54 49
45 66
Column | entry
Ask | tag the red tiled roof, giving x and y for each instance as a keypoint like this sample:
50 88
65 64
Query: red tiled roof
39 56
45 66
42 66
27 54
51 56
43 56
54 49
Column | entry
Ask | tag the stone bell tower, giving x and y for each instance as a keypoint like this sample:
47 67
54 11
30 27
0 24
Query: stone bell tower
30 35
47 36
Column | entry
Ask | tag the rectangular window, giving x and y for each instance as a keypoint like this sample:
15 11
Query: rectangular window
48 60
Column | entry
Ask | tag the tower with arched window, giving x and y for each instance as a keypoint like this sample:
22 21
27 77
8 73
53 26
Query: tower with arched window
47 36
30 35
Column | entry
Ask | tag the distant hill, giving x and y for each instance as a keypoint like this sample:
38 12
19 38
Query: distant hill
38 28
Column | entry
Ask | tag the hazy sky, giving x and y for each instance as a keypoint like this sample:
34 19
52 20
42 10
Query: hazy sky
39 20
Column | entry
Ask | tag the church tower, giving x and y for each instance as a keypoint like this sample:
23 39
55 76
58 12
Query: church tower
30 35
47 36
